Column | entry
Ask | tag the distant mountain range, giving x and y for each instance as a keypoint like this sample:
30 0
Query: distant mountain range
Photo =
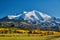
31 20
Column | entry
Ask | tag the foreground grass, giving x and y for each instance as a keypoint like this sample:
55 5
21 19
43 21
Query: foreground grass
27 37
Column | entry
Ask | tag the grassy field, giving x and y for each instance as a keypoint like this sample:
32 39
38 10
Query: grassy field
27 37
12 34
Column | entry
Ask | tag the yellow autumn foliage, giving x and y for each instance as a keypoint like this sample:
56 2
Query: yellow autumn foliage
22 31
43 32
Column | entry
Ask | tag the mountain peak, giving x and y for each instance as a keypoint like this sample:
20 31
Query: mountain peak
32 15
36 14
29 14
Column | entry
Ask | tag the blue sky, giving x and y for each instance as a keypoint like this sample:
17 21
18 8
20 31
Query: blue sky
12 7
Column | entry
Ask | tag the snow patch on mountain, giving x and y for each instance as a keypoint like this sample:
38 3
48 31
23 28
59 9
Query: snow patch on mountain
44 16
24 12
29 14
13 16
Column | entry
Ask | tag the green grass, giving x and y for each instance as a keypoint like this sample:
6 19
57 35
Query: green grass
27 37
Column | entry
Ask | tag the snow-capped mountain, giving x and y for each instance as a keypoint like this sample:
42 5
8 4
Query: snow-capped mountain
32 15
33 18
